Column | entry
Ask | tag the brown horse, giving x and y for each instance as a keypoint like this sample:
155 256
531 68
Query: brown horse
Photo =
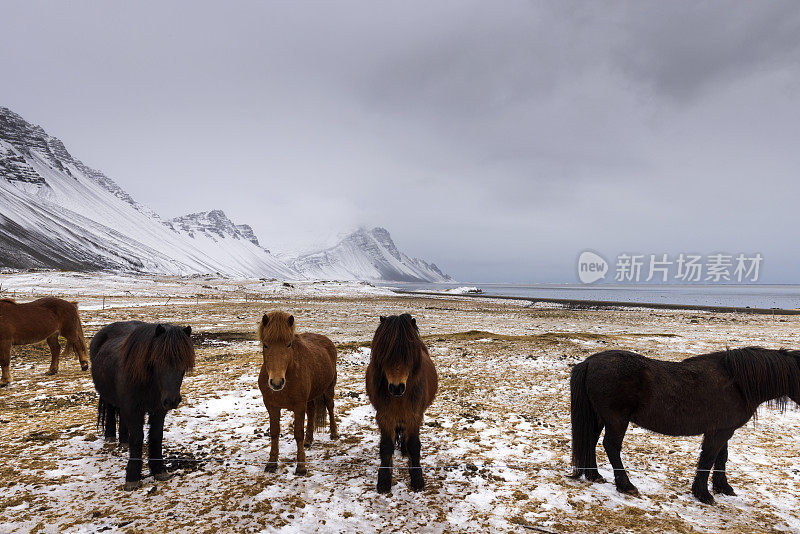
31 322
401 384
298 374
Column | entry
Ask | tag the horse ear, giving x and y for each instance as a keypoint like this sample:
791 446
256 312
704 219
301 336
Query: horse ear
160 330
383 318
264 320
291 320
414 322
188 331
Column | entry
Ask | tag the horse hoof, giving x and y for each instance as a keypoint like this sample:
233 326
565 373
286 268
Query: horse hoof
599 479
725 490
3 384
51 372
301 470
84 367
384 487
704 497
161 477
132 485
629 489
417 485
307 444
271 467
334 435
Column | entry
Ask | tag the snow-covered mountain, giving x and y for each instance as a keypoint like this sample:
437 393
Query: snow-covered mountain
56 212
367 255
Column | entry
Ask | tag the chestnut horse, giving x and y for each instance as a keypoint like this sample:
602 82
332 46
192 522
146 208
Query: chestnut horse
401 384
31 322
298 374
712 394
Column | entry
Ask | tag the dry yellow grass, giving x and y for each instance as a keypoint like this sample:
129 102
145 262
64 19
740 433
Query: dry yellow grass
496 438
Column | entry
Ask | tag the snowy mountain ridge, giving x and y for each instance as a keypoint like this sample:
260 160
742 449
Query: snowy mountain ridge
57 212
367 255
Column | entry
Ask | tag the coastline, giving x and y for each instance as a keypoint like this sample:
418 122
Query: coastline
610 304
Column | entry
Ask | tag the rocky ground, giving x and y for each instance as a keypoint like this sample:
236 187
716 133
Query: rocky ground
495 442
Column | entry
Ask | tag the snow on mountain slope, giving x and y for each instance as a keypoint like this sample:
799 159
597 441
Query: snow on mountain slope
230 245
367 255
57 212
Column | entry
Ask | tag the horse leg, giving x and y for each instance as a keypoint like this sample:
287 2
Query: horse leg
591 472
133 472
401 441
329 405
5 362
414 448
712 445
123 429
385 470
154 442
274 434
299 418
111 423
309 425
612 442
719 480
55 352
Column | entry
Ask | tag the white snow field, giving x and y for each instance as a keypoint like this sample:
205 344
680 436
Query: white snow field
496 441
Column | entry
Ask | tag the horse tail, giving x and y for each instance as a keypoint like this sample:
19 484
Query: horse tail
78 344
320 409
586 424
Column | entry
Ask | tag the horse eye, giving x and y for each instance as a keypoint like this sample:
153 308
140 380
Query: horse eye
265 345
289 345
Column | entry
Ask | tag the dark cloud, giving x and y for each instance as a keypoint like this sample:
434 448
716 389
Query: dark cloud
497 140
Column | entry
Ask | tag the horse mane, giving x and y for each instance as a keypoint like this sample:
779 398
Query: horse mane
156 345
763 374
397 342
10 301
276 326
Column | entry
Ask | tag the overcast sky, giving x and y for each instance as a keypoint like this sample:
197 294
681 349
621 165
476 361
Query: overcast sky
497 139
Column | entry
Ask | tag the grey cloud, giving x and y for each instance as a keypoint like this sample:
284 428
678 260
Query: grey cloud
496 139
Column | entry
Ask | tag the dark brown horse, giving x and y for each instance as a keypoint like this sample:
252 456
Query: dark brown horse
713 394
298 374
401 384
138 369
31 322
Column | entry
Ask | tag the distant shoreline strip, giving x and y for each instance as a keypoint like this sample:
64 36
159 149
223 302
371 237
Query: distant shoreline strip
612 304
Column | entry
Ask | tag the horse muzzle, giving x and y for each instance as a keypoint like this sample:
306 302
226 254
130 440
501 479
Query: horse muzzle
277 385
397 390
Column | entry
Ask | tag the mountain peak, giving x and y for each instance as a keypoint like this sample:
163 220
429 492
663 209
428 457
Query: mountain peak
214 224
367 254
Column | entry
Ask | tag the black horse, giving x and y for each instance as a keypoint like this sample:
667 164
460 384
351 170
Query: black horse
712 394
138 369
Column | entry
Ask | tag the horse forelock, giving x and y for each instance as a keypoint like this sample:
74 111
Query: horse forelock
144 351
397 343
277 328
764 374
